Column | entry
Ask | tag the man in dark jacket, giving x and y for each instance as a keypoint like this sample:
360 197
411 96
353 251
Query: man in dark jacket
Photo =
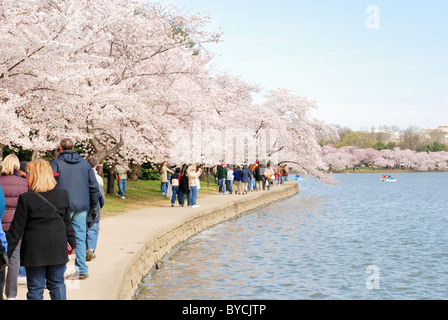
77 177
221 175
259 177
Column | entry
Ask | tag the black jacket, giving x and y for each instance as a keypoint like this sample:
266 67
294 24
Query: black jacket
183 184
44 232
259 173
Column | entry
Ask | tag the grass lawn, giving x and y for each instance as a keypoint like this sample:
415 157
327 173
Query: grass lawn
144 193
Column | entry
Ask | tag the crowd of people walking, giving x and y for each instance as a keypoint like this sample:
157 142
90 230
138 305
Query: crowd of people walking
48 210
254 177
183 184
230 179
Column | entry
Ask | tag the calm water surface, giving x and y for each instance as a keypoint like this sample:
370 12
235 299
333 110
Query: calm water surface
359 239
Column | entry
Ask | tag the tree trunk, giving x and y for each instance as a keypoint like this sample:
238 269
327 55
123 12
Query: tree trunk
35 155
135 171
56 153
100 170
101 153
208 177
111 179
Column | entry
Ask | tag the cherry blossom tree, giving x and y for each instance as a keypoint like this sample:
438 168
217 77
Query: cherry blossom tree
111 74
296 132
124 77
339 158
13 132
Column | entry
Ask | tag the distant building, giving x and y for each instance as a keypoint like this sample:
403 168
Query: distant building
439 134
385 136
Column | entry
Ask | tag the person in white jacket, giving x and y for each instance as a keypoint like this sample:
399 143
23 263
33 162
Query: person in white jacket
122 175
194 183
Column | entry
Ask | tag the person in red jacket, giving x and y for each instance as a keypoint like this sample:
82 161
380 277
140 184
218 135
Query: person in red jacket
13 186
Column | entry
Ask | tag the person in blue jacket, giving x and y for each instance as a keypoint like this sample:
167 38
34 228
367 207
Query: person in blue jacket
237 178
245 178
75 174
3 242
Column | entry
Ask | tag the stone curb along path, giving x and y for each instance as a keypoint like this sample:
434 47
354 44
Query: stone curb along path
131 244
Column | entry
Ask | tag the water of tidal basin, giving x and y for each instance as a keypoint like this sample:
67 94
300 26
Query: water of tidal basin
359 239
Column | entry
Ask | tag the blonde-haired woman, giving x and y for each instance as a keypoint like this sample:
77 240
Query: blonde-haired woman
42 219
13 185
194 183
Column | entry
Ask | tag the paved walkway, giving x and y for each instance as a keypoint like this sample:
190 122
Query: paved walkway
128 242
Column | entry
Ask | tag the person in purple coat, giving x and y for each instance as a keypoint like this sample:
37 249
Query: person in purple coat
13 186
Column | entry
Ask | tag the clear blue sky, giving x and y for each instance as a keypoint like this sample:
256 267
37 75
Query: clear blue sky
393 74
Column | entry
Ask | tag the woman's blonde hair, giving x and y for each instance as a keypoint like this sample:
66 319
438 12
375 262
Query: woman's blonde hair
9 164
40 176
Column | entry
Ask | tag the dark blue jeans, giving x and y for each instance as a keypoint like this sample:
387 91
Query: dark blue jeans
222 185
122 184
229 186
52 276
189 195
93 229
181 198
163 187
194 194
175 193
79 224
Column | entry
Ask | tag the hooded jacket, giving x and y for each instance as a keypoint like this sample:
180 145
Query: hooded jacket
245 174
77 177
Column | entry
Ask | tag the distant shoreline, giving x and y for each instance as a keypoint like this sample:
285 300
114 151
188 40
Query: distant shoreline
379 171
384 171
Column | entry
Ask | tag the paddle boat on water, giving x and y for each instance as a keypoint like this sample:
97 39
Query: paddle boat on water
387 178
299 177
